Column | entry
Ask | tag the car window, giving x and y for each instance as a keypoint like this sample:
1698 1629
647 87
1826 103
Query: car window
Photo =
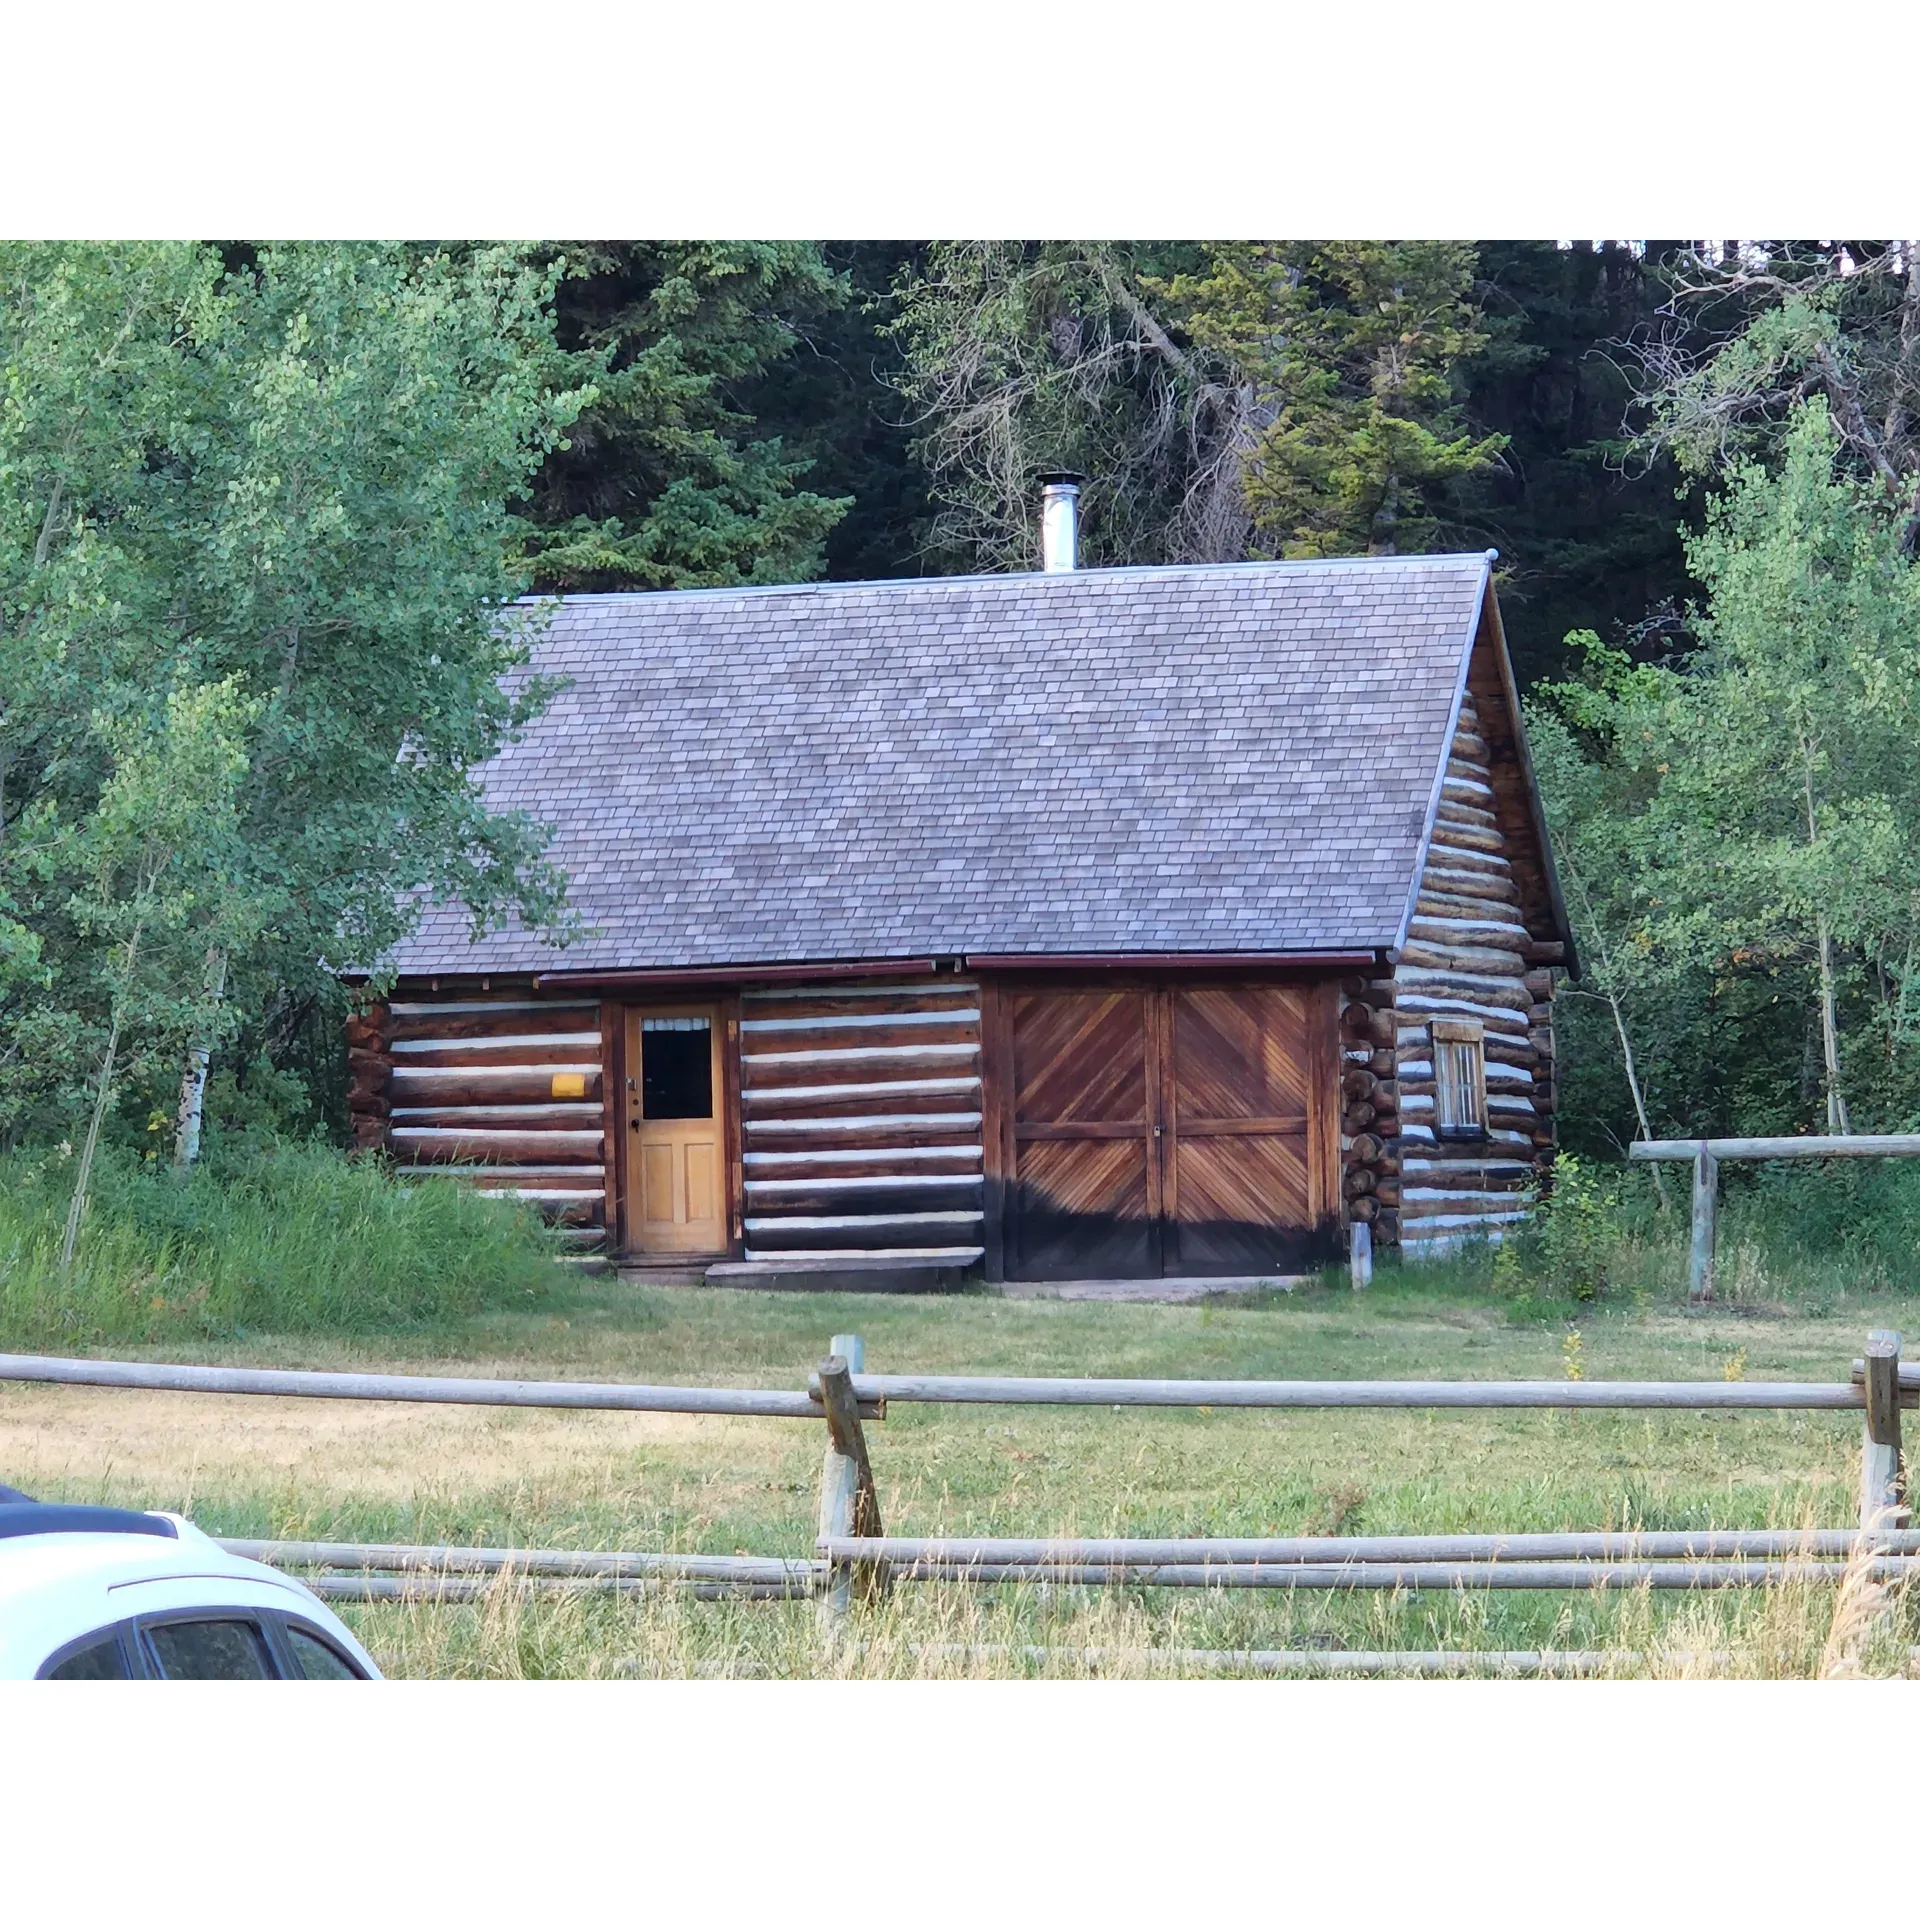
104 1660
209 1650
316 1660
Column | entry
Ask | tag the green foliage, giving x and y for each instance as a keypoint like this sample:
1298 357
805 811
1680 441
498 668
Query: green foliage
1740 827
1354 352
1571 1247
1222 401
279 492
663 481
272 1236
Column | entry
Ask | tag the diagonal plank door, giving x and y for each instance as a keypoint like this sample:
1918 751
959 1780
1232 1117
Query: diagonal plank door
1243 1163
1178 1131
1084 1194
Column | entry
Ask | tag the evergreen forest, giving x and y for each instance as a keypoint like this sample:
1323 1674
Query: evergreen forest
264 509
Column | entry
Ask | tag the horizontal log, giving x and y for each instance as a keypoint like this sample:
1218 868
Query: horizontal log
757 1161
868 1233
1483 909
1549 953
1357 1083
761 1041
475 1025
562 1054
1545 1099
1450 863
369 1133
1359 1117
1469 813
1463 839
870 1193
496 1146
1386 1227
1028 1391
861 1066
368 1031
1423 1007
1539 983
493 1085
1470 747
1356 1181
376 1105
1366 1149
1850 1146
1479 989
1386 1189
864 1132
872 1098
1521 1055
1382 1063
1364 1208
950 998
1466 957
1385 1097
436 1390
1439 885
554 1116
1460 930
1387 1125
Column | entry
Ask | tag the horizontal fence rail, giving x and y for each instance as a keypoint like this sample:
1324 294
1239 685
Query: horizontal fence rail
1790 1146
1682 1395
1356 1575
582 1394
1824 1544
570 1563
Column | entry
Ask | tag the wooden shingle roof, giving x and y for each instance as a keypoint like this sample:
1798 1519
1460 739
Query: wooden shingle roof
1132 760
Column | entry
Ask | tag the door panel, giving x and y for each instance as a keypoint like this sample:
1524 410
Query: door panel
1173 1130
1240 1075
1085 1185
675 1153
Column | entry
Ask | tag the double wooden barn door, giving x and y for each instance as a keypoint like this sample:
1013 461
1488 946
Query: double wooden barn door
1151 1131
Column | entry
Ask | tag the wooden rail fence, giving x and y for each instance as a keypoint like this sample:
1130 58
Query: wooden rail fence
1706 1155
854 1560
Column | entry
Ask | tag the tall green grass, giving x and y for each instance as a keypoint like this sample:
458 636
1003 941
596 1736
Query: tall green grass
287 1237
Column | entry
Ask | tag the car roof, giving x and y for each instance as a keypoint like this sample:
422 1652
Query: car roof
58 1586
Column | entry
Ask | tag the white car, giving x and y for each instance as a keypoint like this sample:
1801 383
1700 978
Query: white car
103 1593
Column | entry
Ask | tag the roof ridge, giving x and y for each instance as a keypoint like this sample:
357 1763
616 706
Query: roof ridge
1054 581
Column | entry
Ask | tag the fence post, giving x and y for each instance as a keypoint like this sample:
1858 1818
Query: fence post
1706 1225
849 1501
1881 1477
1362 1255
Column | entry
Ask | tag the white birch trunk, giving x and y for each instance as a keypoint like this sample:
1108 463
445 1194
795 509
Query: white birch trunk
193 1081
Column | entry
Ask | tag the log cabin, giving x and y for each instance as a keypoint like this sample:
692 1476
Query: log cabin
1074 925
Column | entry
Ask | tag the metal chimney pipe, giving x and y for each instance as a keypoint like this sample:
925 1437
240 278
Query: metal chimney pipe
1059 522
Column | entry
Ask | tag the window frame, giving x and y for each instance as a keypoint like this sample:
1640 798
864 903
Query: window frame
1460 1070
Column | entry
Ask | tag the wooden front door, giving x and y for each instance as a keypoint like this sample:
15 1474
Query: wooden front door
1169 1130
676 1144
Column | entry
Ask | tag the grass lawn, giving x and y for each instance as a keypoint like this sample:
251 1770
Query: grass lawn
320 1470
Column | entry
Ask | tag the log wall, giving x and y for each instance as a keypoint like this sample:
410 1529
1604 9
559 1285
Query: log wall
505 1091
1475 950
861 1122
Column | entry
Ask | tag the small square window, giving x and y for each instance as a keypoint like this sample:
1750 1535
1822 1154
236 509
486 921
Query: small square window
1459 1080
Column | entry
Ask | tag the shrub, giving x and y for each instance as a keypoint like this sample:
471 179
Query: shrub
280 1237
1572 1245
